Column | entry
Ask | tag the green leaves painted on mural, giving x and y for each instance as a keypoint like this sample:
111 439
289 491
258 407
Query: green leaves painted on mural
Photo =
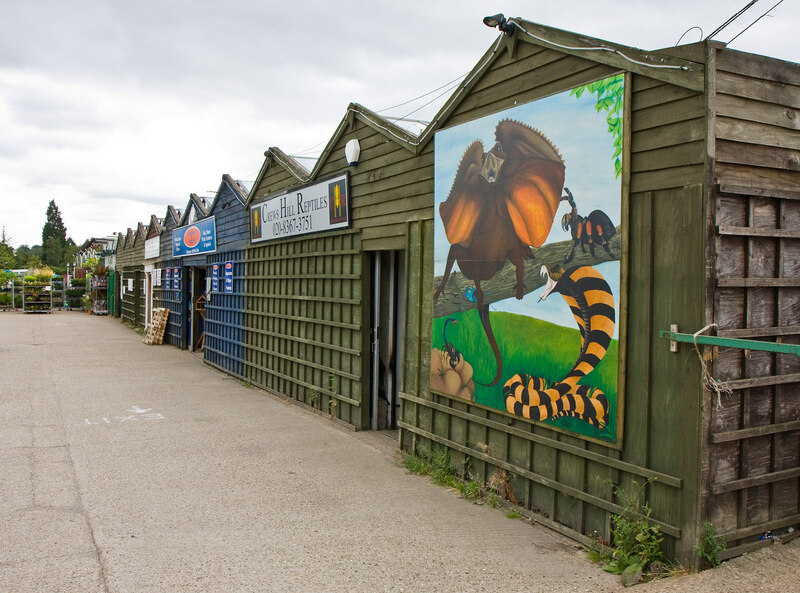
609 94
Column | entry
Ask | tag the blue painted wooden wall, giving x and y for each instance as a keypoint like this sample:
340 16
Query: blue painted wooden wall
224 335
169 297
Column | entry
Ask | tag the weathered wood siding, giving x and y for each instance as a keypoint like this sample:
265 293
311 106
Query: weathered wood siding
307 299
561 476
300 296
390 186
752 461
165 295
303 322
224 333
129 264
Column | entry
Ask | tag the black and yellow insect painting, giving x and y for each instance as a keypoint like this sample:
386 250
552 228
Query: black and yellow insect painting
527 260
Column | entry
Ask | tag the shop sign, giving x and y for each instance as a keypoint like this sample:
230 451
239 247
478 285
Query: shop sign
152 247
316 208
199 237
228 276
215 278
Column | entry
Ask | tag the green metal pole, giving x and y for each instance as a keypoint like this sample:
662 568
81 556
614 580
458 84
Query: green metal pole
731 342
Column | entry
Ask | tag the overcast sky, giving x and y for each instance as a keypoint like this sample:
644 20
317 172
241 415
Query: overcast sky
117 109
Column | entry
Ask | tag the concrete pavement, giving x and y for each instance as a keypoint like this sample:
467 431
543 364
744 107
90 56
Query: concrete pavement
134 468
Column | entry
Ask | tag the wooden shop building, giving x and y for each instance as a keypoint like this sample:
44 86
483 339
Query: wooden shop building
222 305
707 164
408 280
326 291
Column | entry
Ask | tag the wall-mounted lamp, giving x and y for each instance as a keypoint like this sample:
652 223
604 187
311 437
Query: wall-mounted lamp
499 21
352 150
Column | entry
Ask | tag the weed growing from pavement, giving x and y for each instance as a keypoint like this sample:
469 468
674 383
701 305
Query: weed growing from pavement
500 482
333 387
635 552
512 514
135 327
710 546
438 466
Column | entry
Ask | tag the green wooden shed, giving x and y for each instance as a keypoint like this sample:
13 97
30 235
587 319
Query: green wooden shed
708 174
130 267
325 313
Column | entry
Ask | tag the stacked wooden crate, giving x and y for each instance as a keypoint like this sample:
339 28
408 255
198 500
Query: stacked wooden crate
155 331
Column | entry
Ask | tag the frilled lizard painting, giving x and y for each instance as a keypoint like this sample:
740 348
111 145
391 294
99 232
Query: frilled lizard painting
501 183
502 203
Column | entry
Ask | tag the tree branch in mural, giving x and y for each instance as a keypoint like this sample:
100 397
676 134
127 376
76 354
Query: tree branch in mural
458 294
502 203
589 297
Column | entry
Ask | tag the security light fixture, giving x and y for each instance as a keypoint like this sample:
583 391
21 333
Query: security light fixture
352 150
499 21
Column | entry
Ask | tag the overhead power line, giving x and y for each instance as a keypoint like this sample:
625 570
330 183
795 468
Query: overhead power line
447 84
755 21
731 19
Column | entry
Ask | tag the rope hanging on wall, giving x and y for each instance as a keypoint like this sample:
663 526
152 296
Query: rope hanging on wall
708 379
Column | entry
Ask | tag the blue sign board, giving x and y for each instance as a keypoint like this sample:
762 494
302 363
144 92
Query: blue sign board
228 276
200 237
215 278
176 279
167 278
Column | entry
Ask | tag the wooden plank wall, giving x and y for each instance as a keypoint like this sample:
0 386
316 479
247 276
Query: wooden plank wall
171 299
307 299
752 467
224 322
165 296
390 186
560 476
129 264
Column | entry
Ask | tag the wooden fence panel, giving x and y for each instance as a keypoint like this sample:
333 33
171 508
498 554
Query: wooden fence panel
754 457
303 310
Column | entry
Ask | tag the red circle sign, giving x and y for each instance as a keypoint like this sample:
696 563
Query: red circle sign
192 236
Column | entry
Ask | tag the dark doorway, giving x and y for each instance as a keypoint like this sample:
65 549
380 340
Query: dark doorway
197 307
387 337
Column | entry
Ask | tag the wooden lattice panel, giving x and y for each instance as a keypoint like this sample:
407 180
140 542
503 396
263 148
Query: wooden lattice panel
754 459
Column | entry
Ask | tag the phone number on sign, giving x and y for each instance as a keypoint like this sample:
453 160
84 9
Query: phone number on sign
298 224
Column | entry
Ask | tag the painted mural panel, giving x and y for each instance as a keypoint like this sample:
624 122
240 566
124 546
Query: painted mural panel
527 260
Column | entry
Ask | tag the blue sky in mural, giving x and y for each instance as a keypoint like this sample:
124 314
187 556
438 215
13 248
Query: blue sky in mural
581 136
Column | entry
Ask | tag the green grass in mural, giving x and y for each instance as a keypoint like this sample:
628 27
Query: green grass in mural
532 346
